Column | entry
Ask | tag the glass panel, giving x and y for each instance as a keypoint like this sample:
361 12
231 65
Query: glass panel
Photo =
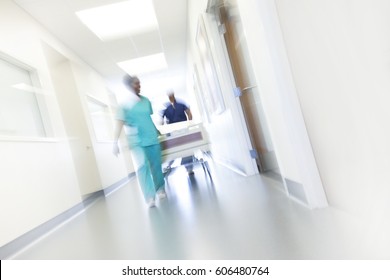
19 110
102 121
212 95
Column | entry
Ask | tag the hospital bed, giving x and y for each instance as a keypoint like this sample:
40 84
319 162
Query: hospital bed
184 139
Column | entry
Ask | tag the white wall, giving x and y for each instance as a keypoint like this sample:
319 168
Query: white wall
38 179
340 55
37 176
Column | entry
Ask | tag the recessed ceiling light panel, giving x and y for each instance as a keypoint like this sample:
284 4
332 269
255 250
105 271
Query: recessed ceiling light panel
121 19
144 64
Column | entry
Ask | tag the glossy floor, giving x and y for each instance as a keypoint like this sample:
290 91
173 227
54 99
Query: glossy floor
231 217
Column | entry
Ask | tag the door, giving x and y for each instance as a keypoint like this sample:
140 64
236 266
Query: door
74 121
246 89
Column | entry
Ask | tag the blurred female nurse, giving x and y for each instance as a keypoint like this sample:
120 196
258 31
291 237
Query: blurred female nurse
142 136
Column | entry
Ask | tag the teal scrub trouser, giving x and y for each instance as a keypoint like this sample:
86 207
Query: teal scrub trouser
149 173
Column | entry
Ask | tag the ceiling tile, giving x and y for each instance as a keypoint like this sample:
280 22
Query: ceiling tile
58 17
122 49
148 43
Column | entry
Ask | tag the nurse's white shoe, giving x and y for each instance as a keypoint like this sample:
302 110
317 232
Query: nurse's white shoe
151 203
161 194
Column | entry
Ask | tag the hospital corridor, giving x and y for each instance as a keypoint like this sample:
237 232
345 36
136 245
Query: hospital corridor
194 130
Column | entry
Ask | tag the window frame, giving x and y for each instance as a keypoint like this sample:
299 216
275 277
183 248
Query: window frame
41 101
108 111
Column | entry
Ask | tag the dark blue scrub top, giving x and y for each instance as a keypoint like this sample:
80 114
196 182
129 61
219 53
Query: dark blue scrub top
176 114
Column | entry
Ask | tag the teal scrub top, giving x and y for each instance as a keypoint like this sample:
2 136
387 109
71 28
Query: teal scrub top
141 130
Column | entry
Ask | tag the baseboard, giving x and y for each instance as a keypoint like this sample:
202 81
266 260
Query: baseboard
273 175
296 190
230 166
117 185
29 237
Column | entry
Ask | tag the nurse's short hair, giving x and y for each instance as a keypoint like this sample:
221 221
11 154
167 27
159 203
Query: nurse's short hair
170 92
129 80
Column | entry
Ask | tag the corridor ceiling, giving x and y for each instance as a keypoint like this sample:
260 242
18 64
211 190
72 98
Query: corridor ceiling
167 36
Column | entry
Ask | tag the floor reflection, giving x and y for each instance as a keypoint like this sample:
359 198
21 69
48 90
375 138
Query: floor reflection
226 216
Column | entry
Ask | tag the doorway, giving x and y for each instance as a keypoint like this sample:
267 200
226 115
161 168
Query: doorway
74 120
246 89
